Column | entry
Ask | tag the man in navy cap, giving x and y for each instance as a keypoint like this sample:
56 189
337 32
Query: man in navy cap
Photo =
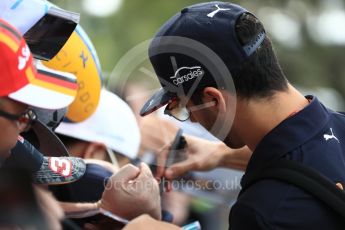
263 111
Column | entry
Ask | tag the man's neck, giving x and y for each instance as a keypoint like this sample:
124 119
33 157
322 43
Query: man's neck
257 117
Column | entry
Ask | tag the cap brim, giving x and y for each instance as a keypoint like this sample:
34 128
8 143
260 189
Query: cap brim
49 143
59 170
48 35
46 28
46 88
158 100
95 175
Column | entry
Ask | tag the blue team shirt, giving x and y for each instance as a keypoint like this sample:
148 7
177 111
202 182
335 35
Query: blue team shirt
315 136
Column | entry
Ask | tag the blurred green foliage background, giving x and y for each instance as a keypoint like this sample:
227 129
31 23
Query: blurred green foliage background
309 36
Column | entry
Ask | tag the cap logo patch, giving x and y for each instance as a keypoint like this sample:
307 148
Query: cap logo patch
23 57
60 166
211 15
185 74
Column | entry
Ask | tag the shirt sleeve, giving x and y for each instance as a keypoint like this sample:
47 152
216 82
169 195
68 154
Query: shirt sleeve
244 217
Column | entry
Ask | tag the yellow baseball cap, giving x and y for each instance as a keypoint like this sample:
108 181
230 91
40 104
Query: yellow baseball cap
78 56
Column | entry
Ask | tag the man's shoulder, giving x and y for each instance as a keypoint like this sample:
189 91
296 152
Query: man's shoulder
259 205
244 216
271 204
265 196
338 119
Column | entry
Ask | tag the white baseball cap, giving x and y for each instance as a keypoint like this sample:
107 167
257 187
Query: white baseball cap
45 27
112 124
23 14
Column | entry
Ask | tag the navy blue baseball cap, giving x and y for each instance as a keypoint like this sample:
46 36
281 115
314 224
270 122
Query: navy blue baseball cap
183 50
81 191
44 170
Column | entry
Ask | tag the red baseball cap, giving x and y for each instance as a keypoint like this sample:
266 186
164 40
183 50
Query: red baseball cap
21 81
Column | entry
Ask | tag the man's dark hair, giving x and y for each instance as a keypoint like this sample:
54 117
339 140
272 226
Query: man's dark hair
260 75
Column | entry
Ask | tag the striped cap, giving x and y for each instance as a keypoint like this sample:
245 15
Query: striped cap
20 81
79 56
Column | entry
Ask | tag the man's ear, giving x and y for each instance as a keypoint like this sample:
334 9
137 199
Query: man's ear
211 94
95 150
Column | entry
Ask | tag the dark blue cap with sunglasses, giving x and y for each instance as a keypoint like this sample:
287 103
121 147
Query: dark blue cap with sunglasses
181 52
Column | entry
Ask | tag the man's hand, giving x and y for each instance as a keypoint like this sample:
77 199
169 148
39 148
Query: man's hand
145 222
203 155
155 133
131 192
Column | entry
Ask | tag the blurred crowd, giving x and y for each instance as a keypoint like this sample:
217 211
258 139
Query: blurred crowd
73 153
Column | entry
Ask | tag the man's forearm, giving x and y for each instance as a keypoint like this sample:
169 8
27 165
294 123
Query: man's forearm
76 209
235 158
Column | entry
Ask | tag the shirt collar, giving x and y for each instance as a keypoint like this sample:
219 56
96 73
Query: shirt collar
289 134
